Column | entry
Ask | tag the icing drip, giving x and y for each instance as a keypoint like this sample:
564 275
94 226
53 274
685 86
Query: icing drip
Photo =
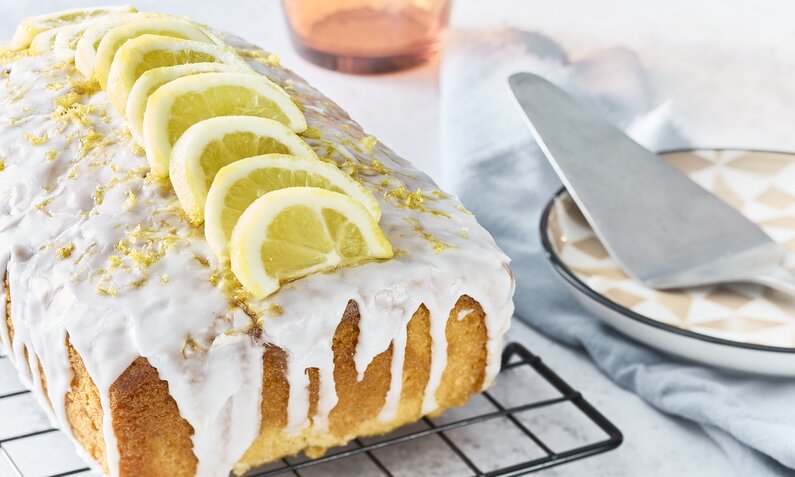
5 340
438 356
298 402
223 403
98 253
18 345
50 353
392 400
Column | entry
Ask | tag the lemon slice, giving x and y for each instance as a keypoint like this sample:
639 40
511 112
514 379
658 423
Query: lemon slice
177 105
44 41
59 40
170 27
145 52
31 26
66 39
86 49
239 184
290 233
209 145
154 78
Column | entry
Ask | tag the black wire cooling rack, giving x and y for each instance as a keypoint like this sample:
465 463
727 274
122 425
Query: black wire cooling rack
531 419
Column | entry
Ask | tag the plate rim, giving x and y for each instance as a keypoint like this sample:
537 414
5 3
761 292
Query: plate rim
563 270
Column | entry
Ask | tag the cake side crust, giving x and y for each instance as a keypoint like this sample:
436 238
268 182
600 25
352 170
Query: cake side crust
154 440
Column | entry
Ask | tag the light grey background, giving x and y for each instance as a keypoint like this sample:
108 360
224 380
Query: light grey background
727 65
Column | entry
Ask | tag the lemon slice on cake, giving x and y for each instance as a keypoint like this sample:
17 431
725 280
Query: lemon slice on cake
168 27
44 41
86 49
145 52
241 183
67 37
31 26
290 233
209 145
154 78
61 40
176 106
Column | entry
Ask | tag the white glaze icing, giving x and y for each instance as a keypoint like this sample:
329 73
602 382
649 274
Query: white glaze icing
464 313
173 311
5 340
392 399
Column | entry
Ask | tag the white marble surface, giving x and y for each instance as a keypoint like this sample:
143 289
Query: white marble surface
727 70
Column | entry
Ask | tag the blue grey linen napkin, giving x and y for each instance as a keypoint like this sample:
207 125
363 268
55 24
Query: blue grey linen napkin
492 163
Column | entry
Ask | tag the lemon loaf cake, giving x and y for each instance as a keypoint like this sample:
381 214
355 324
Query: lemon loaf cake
209 266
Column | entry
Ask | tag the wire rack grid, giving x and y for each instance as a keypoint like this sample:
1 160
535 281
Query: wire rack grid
531 419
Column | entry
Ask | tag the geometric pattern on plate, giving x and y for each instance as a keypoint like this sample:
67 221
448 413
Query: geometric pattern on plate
761 185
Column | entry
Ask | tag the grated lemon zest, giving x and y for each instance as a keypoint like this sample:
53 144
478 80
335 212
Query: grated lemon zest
35 140
65 251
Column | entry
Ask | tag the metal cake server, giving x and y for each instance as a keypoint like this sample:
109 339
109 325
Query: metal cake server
662 228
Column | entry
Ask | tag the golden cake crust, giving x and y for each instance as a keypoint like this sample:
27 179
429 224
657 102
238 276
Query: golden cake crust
154 440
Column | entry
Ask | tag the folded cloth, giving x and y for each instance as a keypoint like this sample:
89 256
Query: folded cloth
491 161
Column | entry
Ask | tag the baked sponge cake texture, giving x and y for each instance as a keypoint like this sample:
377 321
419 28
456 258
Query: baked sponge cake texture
144 343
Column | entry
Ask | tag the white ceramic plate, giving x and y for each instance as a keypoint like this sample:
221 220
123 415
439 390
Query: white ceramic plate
740 327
